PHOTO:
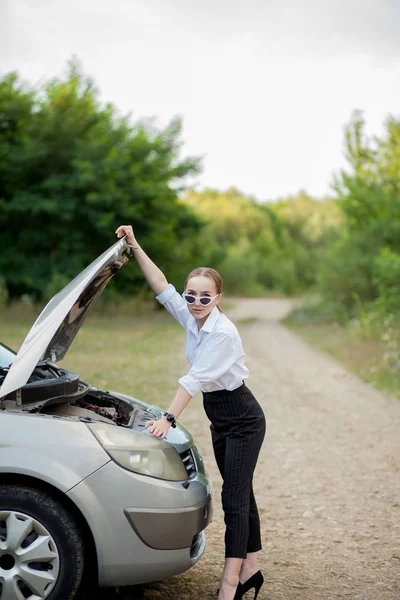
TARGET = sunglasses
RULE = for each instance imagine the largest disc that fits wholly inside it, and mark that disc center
(204, 300)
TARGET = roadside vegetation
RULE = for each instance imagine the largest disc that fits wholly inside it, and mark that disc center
(354, 310)
(72, 169)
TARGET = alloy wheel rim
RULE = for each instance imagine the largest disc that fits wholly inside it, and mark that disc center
(29, 558)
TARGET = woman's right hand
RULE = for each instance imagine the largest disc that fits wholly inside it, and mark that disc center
(128, 231)
(154, 277)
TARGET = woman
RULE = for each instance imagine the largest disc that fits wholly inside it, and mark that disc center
(215, 353)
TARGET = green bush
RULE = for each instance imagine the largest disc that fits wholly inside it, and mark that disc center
(239, 269)
(386, 277)
(317, 310)
(346, 272)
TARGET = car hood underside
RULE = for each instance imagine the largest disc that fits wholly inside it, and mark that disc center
(57, 325)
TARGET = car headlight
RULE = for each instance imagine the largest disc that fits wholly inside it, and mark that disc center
(140, 453)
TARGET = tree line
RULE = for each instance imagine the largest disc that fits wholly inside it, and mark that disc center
(72, 169)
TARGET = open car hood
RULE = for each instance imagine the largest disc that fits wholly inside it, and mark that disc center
(57, 325)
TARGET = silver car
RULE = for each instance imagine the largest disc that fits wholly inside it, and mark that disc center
(82, 483)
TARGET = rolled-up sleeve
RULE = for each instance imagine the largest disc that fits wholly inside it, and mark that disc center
(175, 304)
(216, 358)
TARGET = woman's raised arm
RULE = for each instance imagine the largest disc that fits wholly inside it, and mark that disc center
(153, 275)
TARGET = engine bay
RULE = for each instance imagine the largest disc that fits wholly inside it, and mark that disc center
(59, 392)
(99, 406)
(52, 390)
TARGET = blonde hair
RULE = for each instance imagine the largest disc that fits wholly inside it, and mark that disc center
(211, 274)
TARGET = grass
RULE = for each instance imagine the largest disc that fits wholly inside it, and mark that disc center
(363, 355)
(139, 355)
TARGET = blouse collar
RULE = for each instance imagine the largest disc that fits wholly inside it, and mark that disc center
(211, 320)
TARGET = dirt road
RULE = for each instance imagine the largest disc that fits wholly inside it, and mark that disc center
(327, 482)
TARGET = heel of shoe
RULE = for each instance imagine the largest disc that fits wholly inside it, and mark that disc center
(257, 589)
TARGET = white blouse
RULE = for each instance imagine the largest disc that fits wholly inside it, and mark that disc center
(215, 353)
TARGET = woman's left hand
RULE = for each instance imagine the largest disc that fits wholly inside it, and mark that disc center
(158, 428)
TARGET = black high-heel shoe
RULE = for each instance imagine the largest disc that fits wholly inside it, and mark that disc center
(255, 581)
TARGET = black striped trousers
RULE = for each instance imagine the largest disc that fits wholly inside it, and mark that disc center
(237, 429)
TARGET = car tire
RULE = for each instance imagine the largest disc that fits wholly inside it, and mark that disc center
(41, 549)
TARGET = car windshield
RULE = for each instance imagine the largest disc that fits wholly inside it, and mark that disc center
(6, 355)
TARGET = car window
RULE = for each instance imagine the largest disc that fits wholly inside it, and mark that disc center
(6, 355)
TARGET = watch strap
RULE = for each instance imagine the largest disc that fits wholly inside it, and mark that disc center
(170, 418)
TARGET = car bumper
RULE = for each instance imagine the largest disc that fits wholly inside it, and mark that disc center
(143, 528)
(170, 528)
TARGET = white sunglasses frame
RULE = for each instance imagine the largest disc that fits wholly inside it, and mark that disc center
(198, 298)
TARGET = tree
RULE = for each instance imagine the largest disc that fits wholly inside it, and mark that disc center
(269, 245)
(71, 170)
(368, 192)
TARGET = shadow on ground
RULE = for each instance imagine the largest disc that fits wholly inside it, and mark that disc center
(175, 588)
(136, 592)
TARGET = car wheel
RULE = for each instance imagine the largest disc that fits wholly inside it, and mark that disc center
(41, 549)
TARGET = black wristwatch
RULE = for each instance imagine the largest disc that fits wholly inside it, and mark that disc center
(170, 418)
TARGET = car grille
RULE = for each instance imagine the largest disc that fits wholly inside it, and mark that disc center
(189, 462)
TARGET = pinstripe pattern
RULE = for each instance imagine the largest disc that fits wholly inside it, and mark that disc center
(237, 429)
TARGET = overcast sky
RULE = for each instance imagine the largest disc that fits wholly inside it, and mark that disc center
(264, 86)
